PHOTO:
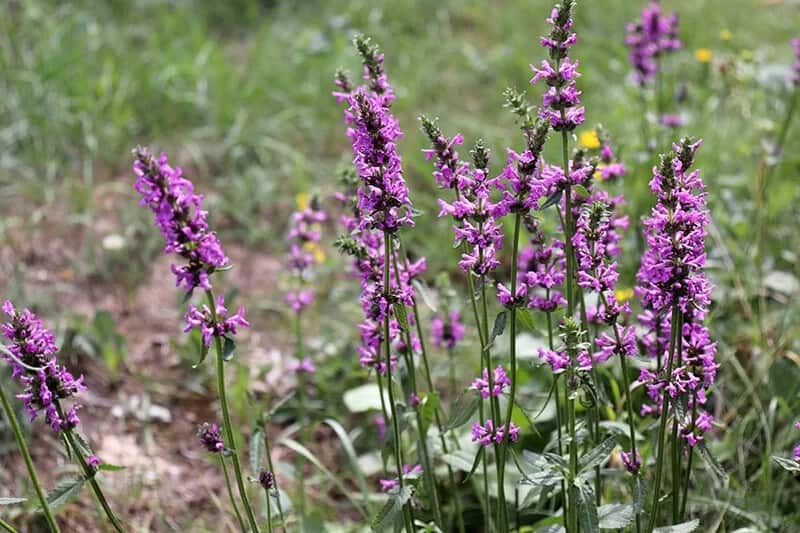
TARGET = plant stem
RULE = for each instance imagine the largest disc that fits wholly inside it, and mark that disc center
(11, 417)
(230, 492)
(7, 527)
(387, 254)
(301, 406)
(269, 511)
(689, 461)
(231, 437)
(512, 348)
(559, 416)
(677, 447)
(595, 427)
(674, 333)
(631, 430)
(278, 503)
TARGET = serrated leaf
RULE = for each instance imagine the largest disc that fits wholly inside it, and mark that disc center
(713, 465)
(615, 515)
(599, 454)
(583, 496)
(385, 517)
(12, 501)
(525, 318)
(228, 349)
(256, 451)
(65, 491)
(685, 527)
(536, 469)
(466, 405)
(107, 467)
(787, 464)
(85, 449)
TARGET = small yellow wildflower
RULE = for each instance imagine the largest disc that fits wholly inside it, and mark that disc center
(316, 250)
(746, 54)
(301, 199)
(703, 55)
(725, 34)
(589, 140)
(623, 295)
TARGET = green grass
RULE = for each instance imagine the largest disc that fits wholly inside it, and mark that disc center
(239, 93)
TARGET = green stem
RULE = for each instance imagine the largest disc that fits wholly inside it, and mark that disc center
(559, 415)
(512, 348)
(269, 511)
(11, 417)
(677, 448)
(226, 417)
(230, 493)
(596, 408)
(689, 461)
(268, 452)
(7, 527)
(301, 406)
(387, 254)
(674, 333)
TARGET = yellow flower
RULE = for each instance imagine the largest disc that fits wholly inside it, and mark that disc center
(703, 55)
(301, 199)
(725, 34)
(316, 250)
(747, 55)
(589, 140)
(623, 295)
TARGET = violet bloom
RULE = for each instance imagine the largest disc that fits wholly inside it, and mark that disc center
(673, 121)
(648, 39)
(94, 462)
(449, 331)
(380, 425)
(671, 277)
(210, 437)
(541, 270)
(611, 168)
(306, 366)
(796, 451)
(266, 479)
(487, 434)
(299, 300)
(181, 219)
(561, 102)
(501, 382)
(304, 252)
(224, 326)
(632, 463)
(45, 382)
(409, 472)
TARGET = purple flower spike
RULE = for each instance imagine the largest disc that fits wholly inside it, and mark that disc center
(306, 366)
(266, 479)
(487, 434)
(632, 464)
(501, 382)
(180, 217)
(649, 38)
(447, 333)
(224, 325)
(409, 472)
(210, 437)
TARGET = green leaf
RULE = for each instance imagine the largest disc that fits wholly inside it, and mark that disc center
(428, 298)
(203, 355)
(599, 454)
(107, 467)
(615, 515)
(525, 318)
(280, 403)
(498, 328)
(402, 316)
(228, 348)
(385, 517)
(427, 409)
(639, 494)
(363, 398)
(686, 527)
(83, 445)
(475, 463)
(466, 405)
(580, 189)
(583, 496)
(536, 469)
(460, 460)
(787, 464)
(11, 501)
(713, 465)
(65, 491)
(256, 451)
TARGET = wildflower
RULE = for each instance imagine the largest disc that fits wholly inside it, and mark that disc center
(210, 437)
(486, 434)
(500, 383)
(306, 366)
(725, 34)
(299, 300)
(409, 472)
(589, 140)
(703, 55)
(632, 462)
(673, 121)
(623, 294)
(94, 462)
(223, 326)
(33, 363)
(304, 250)
(266, 479)
(414, 400)
(380, 424)
(181, 219)
(608, 345)
(447, 332)
(649, 38)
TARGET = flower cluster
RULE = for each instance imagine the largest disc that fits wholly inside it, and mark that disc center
(210, 437)
(632, 462)
(304, 366)
(610, 167)
(541, 269)
(212, 326)
(487, 434)
(448, 331)
(648, 39)
(304, 252)
(671, 281)
(561, 102)
(409, 472)
(574, 351)
(33, 363)
(180, 217)
(266, 479)
(500, 382)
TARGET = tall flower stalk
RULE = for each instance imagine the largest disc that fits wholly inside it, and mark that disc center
(31, 354)
(183, 223)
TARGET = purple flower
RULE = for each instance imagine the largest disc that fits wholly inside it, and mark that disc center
(486, 434)
(306, 366)
(266, 479)
(608, 345)
(409, 472)
(222, 327)
(94, 462)
(673, 121)
(210, 437)
(648, 39)
(45, 382)
(413, 400)
(500, 382)
(447, 332)
(180, 217)
(632, 462)
(304, 252)
(299, 300)
(380, 424)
